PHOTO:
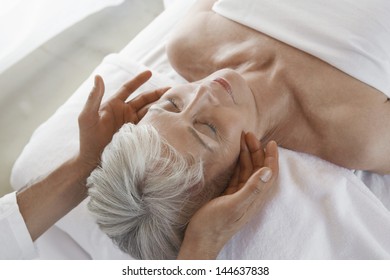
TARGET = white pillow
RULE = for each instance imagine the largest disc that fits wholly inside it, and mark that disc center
(56, 140)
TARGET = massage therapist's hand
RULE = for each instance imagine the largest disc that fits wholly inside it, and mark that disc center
(98, 123)
(46, 201)
(218, 220)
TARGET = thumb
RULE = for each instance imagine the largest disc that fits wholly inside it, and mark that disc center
(255, 189)
(265, 174)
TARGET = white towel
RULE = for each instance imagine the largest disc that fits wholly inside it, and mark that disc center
(351, 35)
(317, 211)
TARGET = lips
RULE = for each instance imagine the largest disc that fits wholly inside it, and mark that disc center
(226, 85)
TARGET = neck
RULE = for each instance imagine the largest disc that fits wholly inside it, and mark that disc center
(271, 99)
(279, 116)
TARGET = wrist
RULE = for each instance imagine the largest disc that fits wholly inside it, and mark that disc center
(80, 170)
(198, 248)
(86, 165)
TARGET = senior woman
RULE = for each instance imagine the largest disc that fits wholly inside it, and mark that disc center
(240, 80)
(27, 214)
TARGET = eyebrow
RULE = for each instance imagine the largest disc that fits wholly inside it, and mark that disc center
(200, 140)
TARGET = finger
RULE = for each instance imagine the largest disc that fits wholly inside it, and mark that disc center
(137, 108)
(95, 97)
(255, 150)
(130, 86)
(146, 98)
(245, 161)
(272, 156)
(141, 113)
(233, 183)
(235, 176)
(262, 180)
(254, 192)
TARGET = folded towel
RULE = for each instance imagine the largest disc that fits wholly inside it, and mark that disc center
(351, 35)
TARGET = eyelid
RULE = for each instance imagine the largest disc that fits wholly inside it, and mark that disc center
(173, 102)
(212, 127)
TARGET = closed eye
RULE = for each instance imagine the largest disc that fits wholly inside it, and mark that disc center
(212, 127)
(207, 128)
(173, 102)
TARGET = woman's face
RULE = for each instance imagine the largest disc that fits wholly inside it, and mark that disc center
(206, 118)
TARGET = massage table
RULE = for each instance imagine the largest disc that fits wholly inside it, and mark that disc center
(316, 211)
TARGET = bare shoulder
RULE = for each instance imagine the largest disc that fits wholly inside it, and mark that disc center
(193, 38)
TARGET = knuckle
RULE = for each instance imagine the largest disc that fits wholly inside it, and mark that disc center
(257, 190)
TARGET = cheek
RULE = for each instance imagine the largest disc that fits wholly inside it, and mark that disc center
(221, 170)
(233, 151)
(218, 167)
(230, 152)
(234, 126)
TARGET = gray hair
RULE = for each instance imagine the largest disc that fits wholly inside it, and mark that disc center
(145, 192)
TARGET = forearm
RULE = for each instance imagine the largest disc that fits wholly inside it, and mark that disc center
(45, 202)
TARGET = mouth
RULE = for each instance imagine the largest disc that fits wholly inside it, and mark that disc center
(226, 85)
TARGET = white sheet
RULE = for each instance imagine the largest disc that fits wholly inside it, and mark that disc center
(352, 35)
(317, 211)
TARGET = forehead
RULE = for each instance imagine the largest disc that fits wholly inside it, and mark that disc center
(182, 88)
(183, 137)
(175, 131)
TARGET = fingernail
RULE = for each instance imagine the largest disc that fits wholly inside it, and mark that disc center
(265, 174)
